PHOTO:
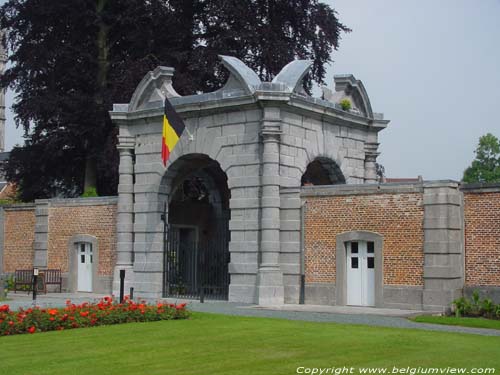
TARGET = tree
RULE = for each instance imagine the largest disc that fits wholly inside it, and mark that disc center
(71, 60)
(486, 166)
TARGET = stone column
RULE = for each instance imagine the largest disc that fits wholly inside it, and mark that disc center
(270, 276)
(41, 233)
(371, 155)
(125, 215)
(443, 245)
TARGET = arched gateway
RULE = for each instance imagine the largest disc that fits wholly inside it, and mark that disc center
(231, 191)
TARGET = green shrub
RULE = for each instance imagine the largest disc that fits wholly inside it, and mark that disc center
(345, 104)
(462, 307)
(90, 192)
(488, 308)
(476, 307)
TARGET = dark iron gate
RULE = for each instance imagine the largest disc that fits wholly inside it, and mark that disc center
(196, 268)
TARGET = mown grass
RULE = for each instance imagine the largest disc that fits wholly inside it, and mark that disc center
(218, 344)
(464, 322)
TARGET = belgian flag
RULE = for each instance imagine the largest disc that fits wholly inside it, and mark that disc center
(173, 126)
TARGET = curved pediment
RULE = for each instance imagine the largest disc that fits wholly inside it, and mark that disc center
(292, 75)
(354, 89)
(154, 87)
(242, 77)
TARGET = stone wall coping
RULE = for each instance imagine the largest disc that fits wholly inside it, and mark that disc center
(214, 102)
(89, 201)
(19, 207)
(362, 189)
(482, 187)
(441, 183)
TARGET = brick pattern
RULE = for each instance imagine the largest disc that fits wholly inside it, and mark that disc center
(397, 217)
(19, 236)
(98, 221)
(482, 239)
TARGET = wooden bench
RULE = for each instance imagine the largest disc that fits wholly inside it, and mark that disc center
(53, 277)
(23, 278)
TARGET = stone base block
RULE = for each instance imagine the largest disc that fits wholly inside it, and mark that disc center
(439, 300)
(242, 293)
(403, 297)
(270, 287)
(319, 294)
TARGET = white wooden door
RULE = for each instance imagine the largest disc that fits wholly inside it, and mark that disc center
(360, 273)
(85, 260)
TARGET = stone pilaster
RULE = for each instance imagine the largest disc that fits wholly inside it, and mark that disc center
(270, 276)
(41, 233)
(443, 244)
(371, 155)
(125, 214)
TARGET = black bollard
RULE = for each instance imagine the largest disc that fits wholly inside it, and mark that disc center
(122, 284)
(131, 293)
(34, 287)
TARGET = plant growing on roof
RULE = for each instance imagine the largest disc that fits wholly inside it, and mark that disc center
(345, 104)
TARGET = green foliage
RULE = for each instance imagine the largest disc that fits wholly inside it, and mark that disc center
(475, 307)
(486, 166)
(345, 104)
(71, 60)
(488, 308)
(90, 192)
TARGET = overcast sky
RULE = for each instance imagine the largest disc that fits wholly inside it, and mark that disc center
(432, 67)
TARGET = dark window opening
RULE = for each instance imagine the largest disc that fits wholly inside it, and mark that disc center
(354, 262)
(354, 247)
(371, 262)
(371, 247)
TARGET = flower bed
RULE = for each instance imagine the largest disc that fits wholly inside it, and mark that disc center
(105, 312)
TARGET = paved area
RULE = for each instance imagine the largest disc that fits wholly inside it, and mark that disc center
(333, 314)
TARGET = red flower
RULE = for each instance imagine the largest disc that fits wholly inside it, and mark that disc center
(52, 318)
(32, 329)
(52, 312)
(4, 308)
(11, 323)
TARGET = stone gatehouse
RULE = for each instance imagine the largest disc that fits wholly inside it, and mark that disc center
(269, 197)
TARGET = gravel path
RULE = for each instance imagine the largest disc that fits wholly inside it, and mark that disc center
(285, 312)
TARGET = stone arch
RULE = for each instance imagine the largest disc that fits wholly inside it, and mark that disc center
(196, 195)
(322, 171)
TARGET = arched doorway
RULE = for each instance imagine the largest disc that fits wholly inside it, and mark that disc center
(197, 248)
(322, 171)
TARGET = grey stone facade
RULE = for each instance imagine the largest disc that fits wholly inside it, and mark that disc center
(263, 135)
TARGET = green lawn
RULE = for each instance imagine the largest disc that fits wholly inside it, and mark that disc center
(465, 322)
(217, 344)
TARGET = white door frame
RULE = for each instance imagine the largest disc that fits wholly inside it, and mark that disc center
(85, 265)
(360, 273)
(341, 261)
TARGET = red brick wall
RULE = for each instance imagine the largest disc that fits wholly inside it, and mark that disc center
(482, 239)
(67, 221)
(19, 237)
(397, 217)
